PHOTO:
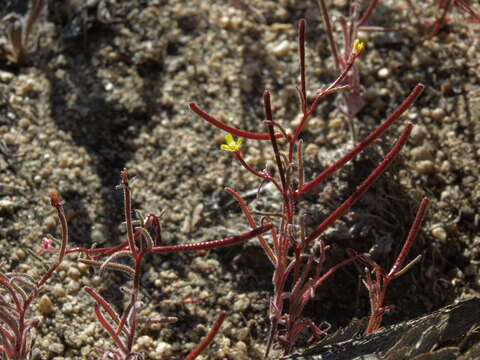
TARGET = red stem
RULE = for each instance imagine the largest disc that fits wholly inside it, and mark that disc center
(367, 12)
(328, 30)
(301, 53)
(252, 224)
(410, 238)
(207, 339)
(232, 240)
(276, 152)
(229, 129)
(364, 186)
(128, 211)
(357, 149)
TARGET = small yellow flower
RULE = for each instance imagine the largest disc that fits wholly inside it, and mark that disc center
(231, 145)
(358, 47)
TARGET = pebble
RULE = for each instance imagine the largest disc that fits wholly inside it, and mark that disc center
(56, 348)
(144, 341)
(98, 236)
(24, 123)
(6, 76)
(335, 123)
(383, 73)
(7, 206)
(206, 265)
(74, 273)
(440, 234)
(73, 287)
(242, 303)
(421, 153)
(438, 114)
(425, 167)
(163, 349)
(311, 150)
(21, 254)
(281, 49)
(58, 290)
(418, 134)
(45, 305)
(242, 333)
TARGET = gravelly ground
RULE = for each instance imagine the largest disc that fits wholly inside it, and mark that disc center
(107, 88)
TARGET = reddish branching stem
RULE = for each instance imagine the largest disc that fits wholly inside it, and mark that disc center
(208, 339)
(22, 290)
(396, 114)
(245, 134)
(301, 53)
(377, 288)
(364, 186)
(139, 243)
(215, 244)
(410, 238)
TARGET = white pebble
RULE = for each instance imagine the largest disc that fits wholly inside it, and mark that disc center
(383, 73)
(439, 233)
(281, 49)
(242, 303)
(163, 350)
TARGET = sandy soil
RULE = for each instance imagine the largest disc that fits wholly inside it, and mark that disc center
(107, 88)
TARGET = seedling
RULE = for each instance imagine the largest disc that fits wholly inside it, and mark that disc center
(19, 30)
(17, 293)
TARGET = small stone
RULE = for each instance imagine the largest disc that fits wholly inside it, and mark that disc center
(242, 333)
(7, 206)
(383, 73)
(281, 49)
(242, 303)
(438, 114)
(144, 341)
(24, 123)
(446, 88)
(311, 150)
(56, 348)
(206, 265)
(73, 287)
(425, 167)
(335, 123)
(418, 134)
(421, 153)
(440, 234)
(45, 305)
(163, 350)
(97, 236)
(10, 139)
(58, 290)
(74, 273)
(384, 92)
(21, 254)
(50, 223)
(6, 76)
(26, 87)
(296, 122)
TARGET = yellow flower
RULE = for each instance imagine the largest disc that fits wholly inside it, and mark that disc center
(358, 47)
(231, 145)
